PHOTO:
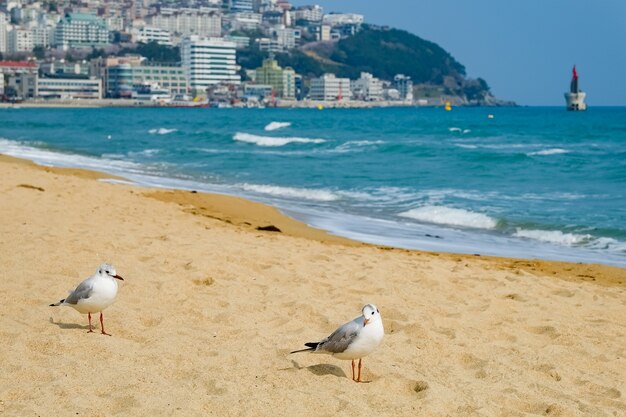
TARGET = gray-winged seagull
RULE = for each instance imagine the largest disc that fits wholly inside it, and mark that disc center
(94, 294)
(354, 340)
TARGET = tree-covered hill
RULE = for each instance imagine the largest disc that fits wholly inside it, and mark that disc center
(384, 52)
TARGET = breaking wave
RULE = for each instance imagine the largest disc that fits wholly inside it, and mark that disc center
(277, 125)
(271, 141)
(161, 131)
(451, 216)
(290, 192)
(553, 151)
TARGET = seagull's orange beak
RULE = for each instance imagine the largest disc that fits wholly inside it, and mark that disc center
(365, 321)
(118, 277)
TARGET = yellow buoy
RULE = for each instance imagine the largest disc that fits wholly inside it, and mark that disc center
(320, 107)
(448, 106)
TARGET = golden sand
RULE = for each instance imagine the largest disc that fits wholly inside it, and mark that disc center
(211, 306)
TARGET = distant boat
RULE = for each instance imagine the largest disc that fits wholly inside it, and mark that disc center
(575, 99)
(183, 100)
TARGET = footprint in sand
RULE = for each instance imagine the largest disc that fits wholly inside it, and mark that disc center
(421, 388)
(549, 331)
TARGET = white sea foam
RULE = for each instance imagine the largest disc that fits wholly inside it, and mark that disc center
(161, 131)
(553, 236)
(466, 131)
(290, 192)
(451, 216)
(466, 146)
(145, 152)
(454, 129)
(277, 125)
(271, 141)
(552, 151)
(54, 158)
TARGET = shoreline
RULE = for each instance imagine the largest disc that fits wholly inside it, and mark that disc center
(210, 308)
(256, 216)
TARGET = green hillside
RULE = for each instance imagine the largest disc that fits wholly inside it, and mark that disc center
(384, 52)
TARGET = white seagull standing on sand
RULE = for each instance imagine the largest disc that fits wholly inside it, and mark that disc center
(94, 294)
(353, 340)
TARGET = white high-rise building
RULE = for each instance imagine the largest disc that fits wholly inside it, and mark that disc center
(42, 35)
(3, 32)
(20, 40)
(209, 61)
(77, 30)
(329, 88)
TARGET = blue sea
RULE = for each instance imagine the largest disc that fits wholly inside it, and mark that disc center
(520, 182)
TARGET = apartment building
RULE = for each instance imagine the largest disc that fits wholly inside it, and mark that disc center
(19, 40)
(186, 22)
(209, 61)
(77, 30)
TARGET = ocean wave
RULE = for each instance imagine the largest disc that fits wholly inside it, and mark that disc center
(277, 125)
(451, 216)
(291, 192)
(63, 159)
(458, 129)
(552, 151)
(554, 236)
(344, 147)
(272, 141)
(145, 152)
(161, 131)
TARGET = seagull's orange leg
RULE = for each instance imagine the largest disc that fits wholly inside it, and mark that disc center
(359, 378)
(90, 329)
(353, 369)
(102, 325)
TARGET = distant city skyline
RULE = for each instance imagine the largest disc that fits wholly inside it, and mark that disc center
(524, 50)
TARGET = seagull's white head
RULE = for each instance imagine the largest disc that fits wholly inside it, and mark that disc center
(370, 314)
(108, 270)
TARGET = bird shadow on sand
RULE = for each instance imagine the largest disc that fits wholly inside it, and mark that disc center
(322, 369)
(68, 325)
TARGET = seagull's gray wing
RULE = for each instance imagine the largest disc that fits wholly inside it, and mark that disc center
(341, 338)
(81, 292)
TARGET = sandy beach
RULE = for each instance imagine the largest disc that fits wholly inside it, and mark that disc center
(212, 305)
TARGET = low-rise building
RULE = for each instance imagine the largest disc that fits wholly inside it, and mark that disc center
(69, 88)
(309, 14)
(404, 85)
(282, 80)
(149, 34)
(286, 38)
(329, 88)
(245, 21)
(367, 88)
(121, 77)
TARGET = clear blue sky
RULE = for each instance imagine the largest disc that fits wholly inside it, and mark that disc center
(524, 49)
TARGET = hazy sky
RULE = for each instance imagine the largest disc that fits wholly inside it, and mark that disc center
(524, 49)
